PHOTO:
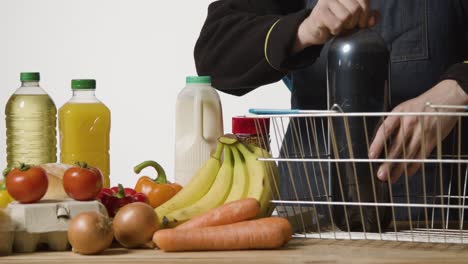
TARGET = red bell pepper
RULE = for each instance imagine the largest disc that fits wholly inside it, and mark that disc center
(117, 197)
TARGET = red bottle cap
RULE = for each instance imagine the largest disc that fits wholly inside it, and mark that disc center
(248, 126)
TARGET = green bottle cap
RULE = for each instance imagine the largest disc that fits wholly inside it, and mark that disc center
(30, 77)
(83, 84)
(198, 79)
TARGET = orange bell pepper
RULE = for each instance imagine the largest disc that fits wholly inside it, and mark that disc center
(157, 190)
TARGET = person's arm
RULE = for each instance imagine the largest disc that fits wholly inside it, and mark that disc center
(245, 44)
(407, 131)
(248, 43)
(459, 71)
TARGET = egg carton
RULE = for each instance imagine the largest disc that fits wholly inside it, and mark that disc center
(6, 233)
(43, 223)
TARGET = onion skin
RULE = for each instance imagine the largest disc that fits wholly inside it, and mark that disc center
(135, 224)
(90, 233)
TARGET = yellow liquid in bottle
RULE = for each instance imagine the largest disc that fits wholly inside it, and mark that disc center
(31, 129)
(84, 135)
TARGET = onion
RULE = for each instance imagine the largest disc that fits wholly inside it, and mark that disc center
(90, 233)
(135, 224)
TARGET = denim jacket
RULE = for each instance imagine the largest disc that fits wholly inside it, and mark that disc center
(424, 38)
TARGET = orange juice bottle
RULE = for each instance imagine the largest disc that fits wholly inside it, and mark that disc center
(84, 124)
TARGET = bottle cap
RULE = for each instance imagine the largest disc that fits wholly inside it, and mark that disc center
(198, 79)
(83, 84)
(250, 126)
(30, 77)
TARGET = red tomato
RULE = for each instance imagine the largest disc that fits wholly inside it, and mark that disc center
(82, 183)
(27, 184)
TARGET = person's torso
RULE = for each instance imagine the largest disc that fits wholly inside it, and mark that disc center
(425, 37)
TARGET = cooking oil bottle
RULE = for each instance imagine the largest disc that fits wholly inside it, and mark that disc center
(84, 124)
(30, 124)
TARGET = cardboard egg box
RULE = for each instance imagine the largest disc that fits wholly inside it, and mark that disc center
(45, 223)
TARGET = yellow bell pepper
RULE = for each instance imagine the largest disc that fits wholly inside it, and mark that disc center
(5, 197)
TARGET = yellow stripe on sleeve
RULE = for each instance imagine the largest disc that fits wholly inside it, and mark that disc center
(266, 43)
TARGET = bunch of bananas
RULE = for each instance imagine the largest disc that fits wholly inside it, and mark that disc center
(240, 175)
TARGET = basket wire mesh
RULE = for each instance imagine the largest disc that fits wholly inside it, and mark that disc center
(329, 191)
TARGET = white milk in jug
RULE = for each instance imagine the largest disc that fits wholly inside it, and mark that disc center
(199, 123)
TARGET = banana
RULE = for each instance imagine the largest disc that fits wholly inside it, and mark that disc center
(215, 196)
(273, 176)
(259, 179)
(198, 186)
(271, 166)
(256, 171)
(240, 181)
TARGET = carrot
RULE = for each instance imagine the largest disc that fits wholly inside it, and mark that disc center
(265, 233)
(287, 230)
(229, 213)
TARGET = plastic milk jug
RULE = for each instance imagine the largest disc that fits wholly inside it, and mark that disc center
(199, 123)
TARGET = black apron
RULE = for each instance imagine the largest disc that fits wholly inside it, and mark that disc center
(425, 38)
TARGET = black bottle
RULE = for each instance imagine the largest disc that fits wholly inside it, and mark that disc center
(358, 81)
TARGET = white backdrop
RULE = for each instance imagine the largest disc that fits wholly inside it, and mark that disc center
(138, 50)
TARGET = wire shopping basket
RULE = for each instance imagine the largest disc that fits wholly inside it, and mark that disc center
(329, 188)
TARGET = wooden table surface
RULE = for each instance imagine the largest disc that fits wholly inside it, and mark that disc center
(298, 251)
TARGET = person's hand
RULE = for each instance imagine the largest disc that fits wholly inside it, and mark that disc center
(329, 18)
(407, 131)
